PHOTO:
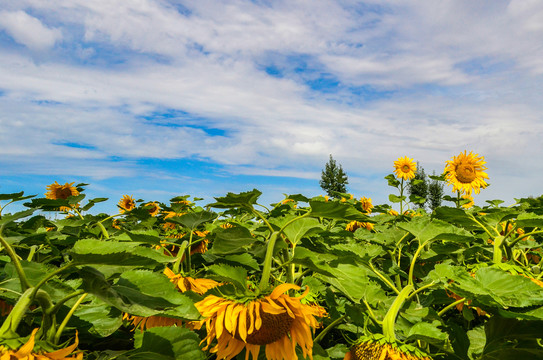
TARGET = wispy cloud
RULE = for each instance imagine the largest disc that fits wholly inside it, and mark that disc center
(270, 89)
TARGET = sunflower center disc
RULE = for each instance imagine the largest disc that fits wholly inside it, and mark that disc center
(274, 327)
(63, 193)
(406, 168)
(465, 173)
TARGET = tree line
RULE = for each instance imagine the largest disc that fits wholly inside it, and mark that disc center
(428, 188)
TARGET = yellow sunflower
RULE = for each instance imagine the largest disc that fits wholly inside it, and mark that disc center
(367, 205)
(353, 225)
(405, 168)
(25, 351)
(56, 191)
(277, 321)
(470, 203)
(127, 203)
(374, 348)
(199, 286)
(153, 208)
(465, 173)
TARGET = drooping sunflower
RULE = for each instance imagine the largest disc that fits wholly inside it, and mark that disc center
(153, 208)
(470, 203)
(405, 168)
(465, 173)
(126, 203)
(376, 347)
(199, 286)
(367, 205)
(277, 321)
(25, 352)
(353, 225)
(56, 191)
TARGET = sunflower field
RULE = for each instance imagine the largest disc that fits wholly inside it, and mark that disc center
(305, 278)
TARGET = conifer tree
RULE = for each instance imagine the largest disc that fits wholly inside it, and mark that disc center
(435, 193)
(333, 178)
(418, 186)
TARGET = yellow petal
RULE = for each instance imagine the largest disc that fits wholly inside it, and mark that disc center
(26, 349)
(282, 289)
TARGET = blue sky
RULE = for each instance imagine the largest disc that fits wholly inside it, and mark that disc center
(159, 98)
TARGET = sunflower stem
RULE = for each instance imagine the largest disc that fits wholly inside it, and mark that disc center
(450, 306)
(10, 324)
(15, 260)
(67, 318)
(264, 281)
(414, 260)
(392, 313)
(330, 326)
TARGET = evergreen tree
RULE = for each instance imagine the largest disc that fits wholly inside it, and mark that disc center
(418, 186)
(333, 178)
(435, 193)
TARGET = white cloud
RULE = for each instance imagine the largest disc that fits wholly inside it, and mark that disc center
(455, 74)
(28, 30)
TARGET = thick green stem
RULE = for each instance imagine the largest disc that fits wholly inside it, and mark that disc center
(390, 317)
(67, 318)
(498, 253)
(16, 263)
(103, 229)
(382, 277)
(414, 260)
(61, 302)
(325, 331)
(264, 281)
(9, 326)
(450, 306)
(180, 253)
(49, 321)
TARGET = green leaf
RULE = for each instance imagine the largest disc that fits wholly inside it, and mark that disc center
(395, 198)
(392, 181)
(427, 332)
(529, 220)
(230, 274)
(231, 200)
(336, 210)
(300, 228)
(193, 219)
(12, 196)
(104, 320)
(91, 251)
(455, 216)
(492, 287)
(231, 240)
(425, 229)
(166, 343)
(18, 215)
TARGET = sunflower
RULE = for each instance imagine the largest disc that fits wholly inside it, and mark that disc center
(25, 351)
(405, 168)
(393, 212)
(367, 205)
(377, 348)
(465, 173)
(353, 225)
(470, 203)
(276, 321)
(199, 286)
(153, 208)
(127, 203)
(57, 191)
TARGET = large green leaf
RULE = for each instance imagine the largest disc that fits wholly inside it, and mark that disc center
(140, 292)
(193, 219)
(425, 228)
(300, 228)
(336, 210)
(231, 200)
(103, 319)
(529, 220)
(455, 216)
(492, 287)
(91, 251)
(231, 274)
(231, 240)
(168, 343)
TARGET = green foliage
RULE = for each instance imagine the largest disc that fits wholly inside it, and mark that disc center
(333, 178)
(435, 192)
(418, 187)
